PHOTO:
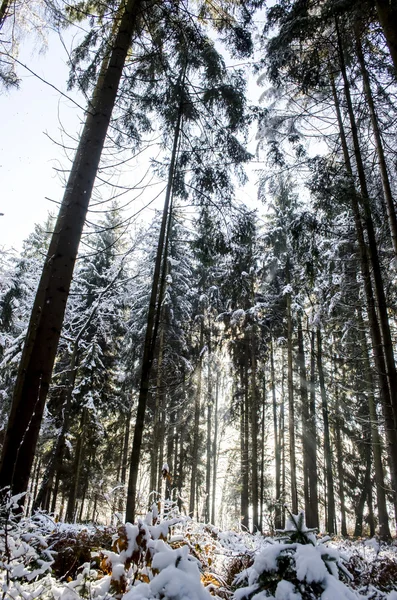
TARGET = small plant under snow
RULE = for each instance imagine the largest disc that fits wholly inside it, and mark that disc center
(297, 566)
(175, 558)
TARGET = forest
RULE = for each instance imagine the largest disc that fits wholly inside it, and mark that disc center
(198, 375)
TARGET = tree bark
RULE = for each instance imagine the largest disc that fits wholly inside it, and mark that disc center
(387, 13)
(390, 206)
(78, 461)
(196, 429)
(4, 8)
(372, 244)
(312, 434)
(152, 322)
(330, 516)
(254, 434)
(291, 406)
(277, 442)
(215, 450)
(376, 337)
(383, 517)
(210, 402)
(305, 421)
(339, 455)
(49, 306)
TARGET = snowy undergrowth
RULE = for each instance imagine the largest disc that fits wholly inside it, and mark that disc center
(298, 566)
(175, 558)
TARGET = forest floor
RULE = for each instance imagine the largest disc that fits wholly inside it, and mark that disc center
(179, 559)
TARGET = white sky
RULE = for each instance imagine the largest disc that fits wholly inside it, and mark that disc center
(27, 155)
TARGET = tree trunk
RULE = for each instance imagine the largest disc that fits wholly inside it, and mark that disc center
(78, 461)
(291, 407)
(281, 428)
(312, 434)
(157, 439)
(383, 517)
(153, 321)
(376, 337)
(262, 483)
(243, 393)
(254, 434)
(359, 506)
(339, 460)
(4, 8)
(387, 13)
(210, 402)
(372, 244)
(330, 516)
(390, 207)
(305, 422)
(47, 316)
(215, 450)
(196, 428)
(277, 443)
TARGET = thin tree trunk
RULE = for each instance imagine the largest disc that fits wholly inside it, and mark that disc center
(196, 429)
(277, 443)
(157, 441)
(372, 244)
(291, 406)
(391, 212)
(33, 484)
(281, 429)
(312, 434)
(124, 461)
(262, 483)
(305, 422)
(244, 444)
(210, 402)
(383, 517)
(215, 450)
(254, 434)
(152, 322)
(359, 506)
(56, 489)
(47, 315)
(376, 338)
(78, 461)
(330, 516)
(339, 459)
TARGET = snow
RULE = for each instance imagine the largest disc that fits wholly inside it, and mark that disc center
(188, 563)
(178, 577)
(286, 591)
(267, 560)
(309, 564)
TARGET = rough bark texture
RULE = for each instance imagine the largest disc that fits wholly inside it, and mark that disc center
(390, 207)
(291, 407)
(277, 443)
(330, 512)
(312, 434)
(49, 307)
(376, 337)
(387, 13)
(305, 422)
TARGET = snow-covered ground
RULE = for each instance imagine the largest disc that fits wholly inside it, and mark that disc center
(179, 559)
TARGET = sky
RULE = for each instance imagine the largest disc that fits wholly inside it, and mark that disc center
(38, 119)
(28, 157)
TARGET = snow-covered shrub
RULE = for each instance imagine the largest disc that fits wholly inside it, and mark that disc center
(295, 566)
(25, 556)
(373, 565)
(142, 564)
